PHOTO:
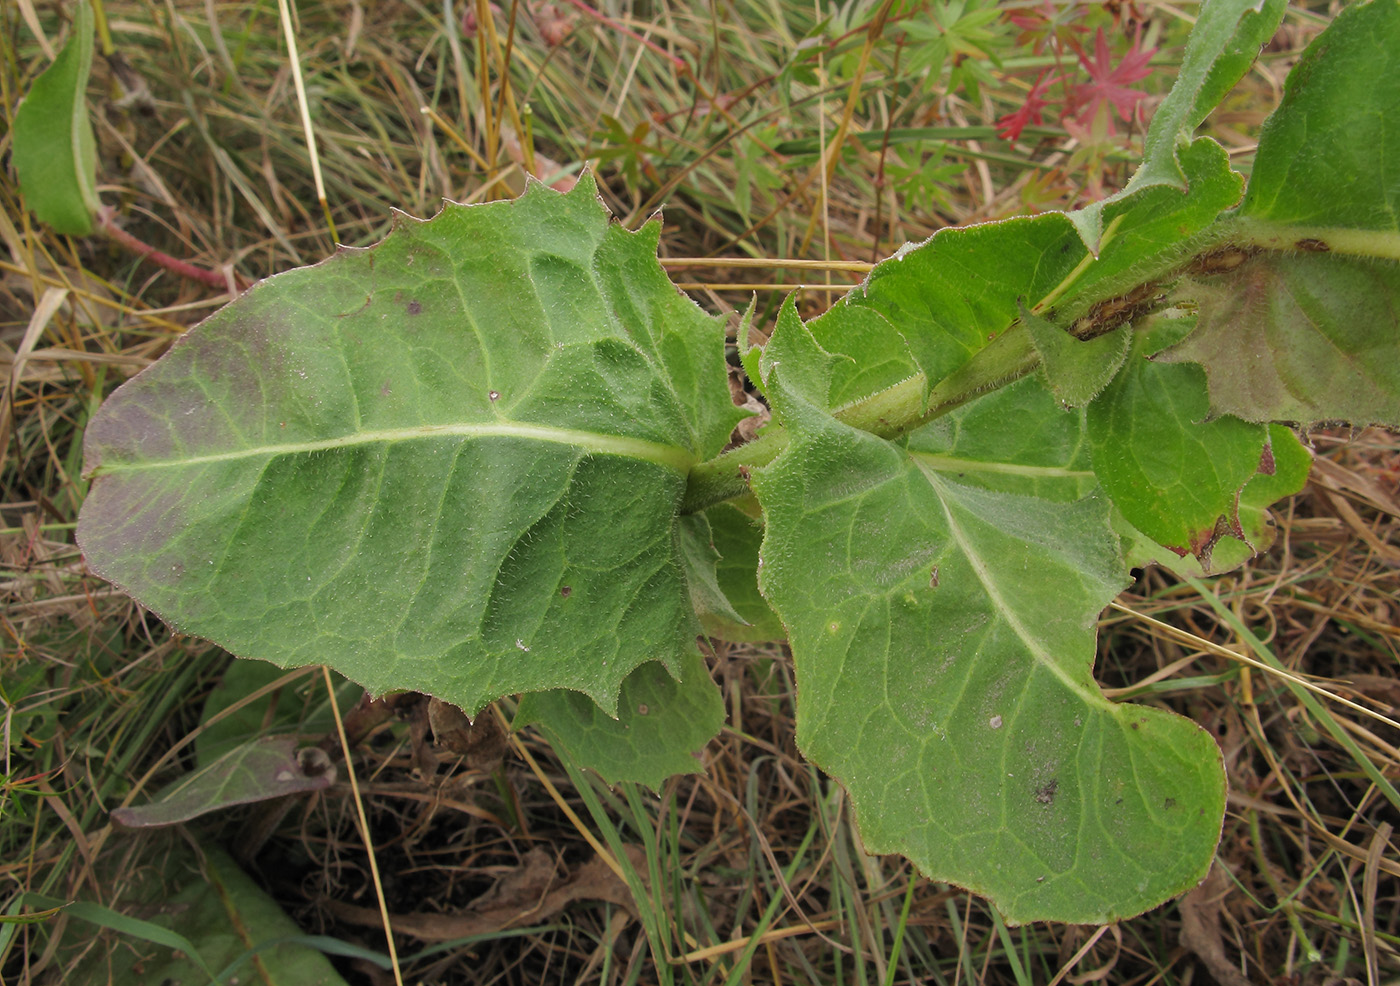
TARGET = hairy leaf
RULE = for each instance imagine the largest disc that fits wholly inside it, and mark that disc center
(1305, 338)
(1018, 439)
(1175, 472)
(947, 297)
(1329, 156)
(53, 148)
(701, 559)
(1308, 330)
(451, 463)
(942, 308)
(1284, 467)
(1224, 43)
(1076, 370)
(661, 726)
(737, 536)
(943, 635)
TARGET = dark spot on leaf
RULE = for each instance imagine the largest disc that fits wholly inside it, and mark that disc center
(1220, 261)
(566, 591)
(1266, 460)
(1169, 803)
(1313, 245)
(933, 578)
(642, 709)
(414, 307)
(1045, 794)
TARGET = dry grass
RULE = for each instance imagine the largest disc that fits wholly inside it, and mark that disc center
(753, 871)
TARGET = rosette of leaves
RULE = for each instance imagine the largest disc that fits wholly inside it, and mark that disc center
(484, 457)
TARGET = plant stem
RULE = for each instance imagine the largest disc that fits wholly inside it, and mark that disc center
(213, 279)
(900, 409)
(892, 412)
(1368, 243)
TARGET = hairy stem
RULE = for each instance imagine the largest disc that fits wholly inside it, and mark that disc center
(1369, 243)
(892, 412)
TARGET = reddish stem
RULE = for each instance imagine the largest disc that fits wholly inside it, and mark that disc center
(212, 278)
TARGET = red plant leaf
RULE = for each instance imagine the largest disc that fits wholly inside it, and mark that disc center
(1009, 127)
(1109, 85)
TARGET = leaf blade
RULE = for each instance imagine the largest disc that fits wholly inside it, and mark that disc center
(948, 687)
(450, 463)
(54, 151)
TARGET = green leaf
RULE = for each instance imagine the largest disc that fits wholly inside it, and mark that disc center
(1284, 467)
(1076, 370)
(943, 308)
(1224, 42)
(1018, 439)
(877, 356)
(661, 726)
(259, 770)
(701, 559)
(943, 635)
(1329, 156)
(451, 463)
(1306, 338)
(212, 918)
(54, 152)
(301, 708)
(1145, 228)
(951, 295)
(1175, 472)
(737, 537)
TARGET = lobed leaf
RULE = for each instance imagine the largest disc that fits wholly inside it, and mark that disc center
(1306, 338)
(943, 635)
(1175, 473)
(450, 463)
(661, 726)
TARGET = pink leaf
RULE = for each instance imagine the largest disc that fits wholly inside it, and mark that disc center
(1109, 85)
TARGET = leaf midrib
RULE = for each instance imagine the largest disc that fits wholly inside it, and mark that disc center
(952, 464)
(1034, 645)
(670, 456)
